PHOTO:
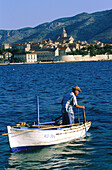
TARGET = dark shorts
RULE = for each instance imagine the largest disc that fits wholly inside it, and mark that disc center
(67, 118)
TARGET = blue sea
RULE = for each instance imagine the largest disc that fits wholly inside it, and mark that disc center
(19, 86)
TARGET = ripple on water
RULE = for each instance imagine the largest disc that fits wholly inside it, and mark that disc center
(18, 91)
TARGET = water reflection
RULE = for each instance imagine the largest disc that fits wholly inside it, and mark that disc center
(57, 156)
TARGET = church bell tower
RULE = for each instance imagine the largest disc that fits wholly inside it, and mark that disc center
(64, 34)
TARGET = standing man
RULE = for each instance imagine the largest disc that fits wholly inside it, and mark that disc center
(68, 102)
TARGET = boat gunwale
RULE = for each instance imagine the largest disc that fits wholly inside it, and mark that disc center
(63, 127)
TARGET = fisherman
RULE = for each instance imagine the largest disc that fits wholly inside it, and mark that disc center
(68, 103)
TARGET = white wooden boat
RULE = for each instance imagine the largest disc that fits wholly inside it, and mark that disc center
(23, 136)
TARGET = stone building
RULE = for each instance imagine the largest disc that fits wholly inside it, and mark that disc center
(23, 46)
(64, 38)
(48, 54)
(6, 46)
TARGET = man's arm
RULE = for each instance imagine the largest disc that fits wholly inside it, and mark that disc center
(80, 107)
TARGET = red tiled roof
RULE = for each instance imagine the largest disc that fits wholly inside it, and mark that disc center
(62, 48)
(42, 51)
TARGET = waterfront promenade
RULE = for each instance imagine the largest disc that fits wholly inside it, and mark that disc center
(70, 58)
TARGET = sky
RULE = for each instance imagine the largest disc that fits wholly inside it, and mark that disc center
(17, 14)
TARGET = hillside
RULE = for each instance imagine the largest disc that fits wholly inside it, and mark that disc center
(84, 26)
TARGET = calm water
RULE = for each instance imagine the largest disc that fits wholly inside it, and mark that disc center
(19, 86)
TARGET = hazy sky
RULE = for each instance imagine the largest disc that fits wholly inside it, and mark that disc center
(16, 14)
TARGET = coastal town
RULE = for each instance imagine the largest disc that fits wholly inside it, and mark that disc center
(64, 49)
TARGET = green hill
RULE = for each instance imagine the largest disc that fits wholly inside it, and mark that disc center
(84, 26)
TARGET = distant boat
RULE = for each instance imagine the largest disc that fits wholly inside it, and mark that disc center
(23, 136)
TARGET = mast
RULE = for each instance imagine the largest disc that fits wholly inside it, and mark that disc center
(37, 110)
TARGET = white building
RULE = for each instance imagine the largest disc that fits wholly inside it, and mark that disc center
(1, 56)
(6, 46)
(28, 58)
(63, 50)
(7, 55)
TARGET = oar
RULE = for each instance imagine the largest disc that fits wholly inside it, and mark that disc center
(57, 118)
(49, 127)
(84, 116)
(84, 121)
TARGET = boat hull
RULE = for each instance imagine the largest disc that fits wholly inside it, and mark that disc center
(28, 138)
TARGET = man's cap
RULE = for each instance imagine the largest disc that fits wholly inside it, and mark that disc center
(76, 88)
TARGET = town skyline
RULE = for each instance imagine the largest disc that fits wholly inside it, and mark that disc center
(62, 49)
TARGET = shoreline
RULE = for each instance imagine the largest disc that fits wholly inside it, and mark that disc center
(51, 62)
